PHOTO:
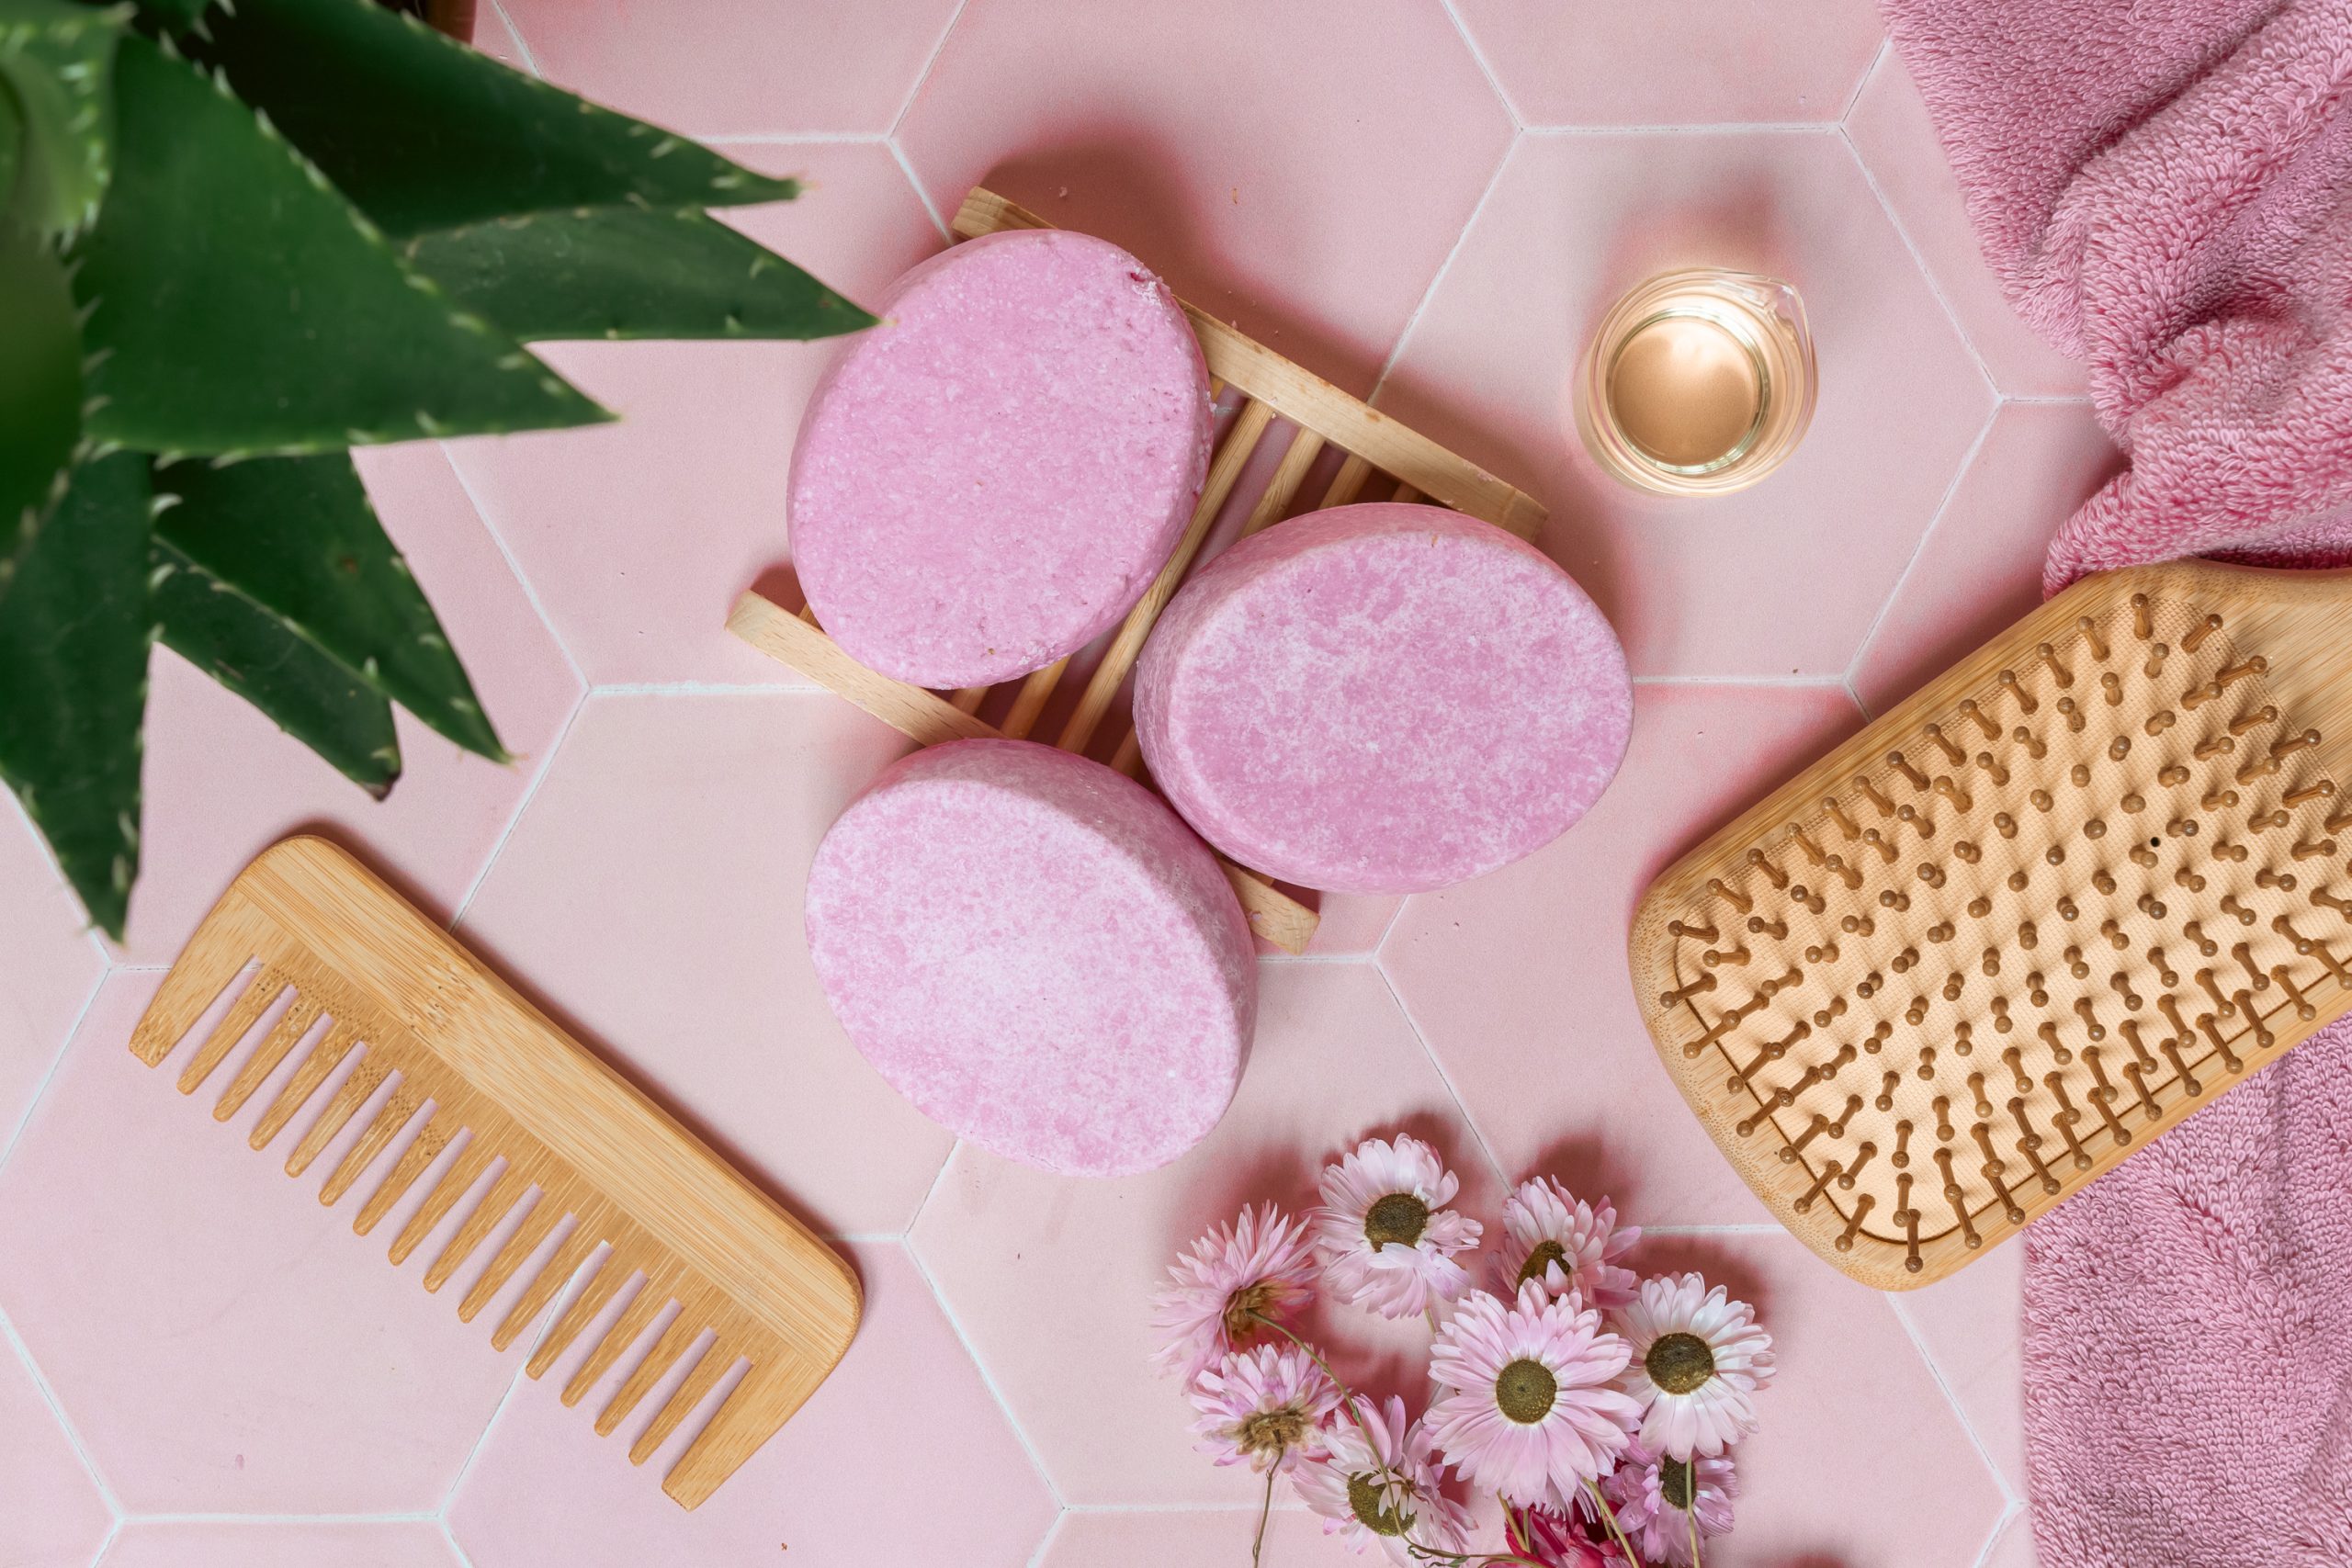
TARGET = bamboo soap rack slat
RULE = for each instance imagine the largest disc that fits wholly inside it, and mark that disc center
(2087, 879)
(1271, 387)
(458, 1047)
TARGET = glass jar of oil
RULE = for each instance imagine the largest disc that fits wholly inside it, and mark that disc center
(1698, 382)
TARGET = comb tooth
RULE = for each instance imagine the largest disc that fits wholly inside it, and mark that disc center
(365, 1080)
(676, 1340)
(324, 1057)
(406, 1097)
(2221, 1046)
(243, 1014)
(614, 1271)
(2138, 1076)
(1861, 1158)
(276, 1046)
(504, 1194)
(213, 960)
(422, 1150)
(2171, 1048)
(1863, 1206)
(570, 1254)
(1958, 1199)
(1820, 1184)
(635, 1319)
(454, 1183)
(2303, 1008)
(536, 1226)
(2030, 1145)
(716, 1360)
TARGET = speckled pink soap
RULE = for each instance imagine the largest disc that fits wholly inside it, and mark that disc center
(991, 477)
(1035, 953)
(1382, 699)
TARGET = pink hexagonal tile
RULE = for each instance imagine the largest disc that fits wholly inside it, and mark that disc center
(738, 67)
(493, 37)
(1210, 1538)
(1858, 1458)
(223, 782)
(231, 1346)
(1980, 567)
(639, 535)
(1300, 169)
(48, 965)
(2013, 1548)
(1682, 62)
(900, 1456)
(1889, 125)
(1781, 579)
(1348, 925)
(63, 1529)
(651, 892)
(1518, 980)
(1974, 1329)
(289, 1543)
(1051, 1278)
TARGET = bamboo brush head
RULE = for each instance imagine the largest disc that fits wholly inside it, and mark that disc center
(475, 1066)
(2084, 882)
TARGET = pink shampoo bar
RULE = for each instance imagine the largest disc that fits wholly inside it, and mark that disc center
(1382, 699)
(989, 478)
(1034, 951)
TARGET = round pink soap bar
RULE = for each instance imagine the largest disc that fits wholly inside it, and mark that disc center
(1382, 699)
(1035, 952)
(991, 477)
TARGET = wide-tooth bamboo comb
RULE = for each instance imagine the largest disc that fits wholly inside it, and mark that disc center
(371, 975)
(2084, 882)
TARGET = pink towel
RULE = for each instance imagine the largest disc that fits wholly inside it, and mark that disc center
(2165, 188)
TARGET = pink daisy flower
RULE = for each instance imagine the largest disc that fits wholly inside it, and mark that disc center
(1558, 1542)
(1697, 1358)
(1264, 1405)
(1657, 1499)
(1260, 1265)
(1565, 1243)
(1379, 1483)
(1386, 1239)
(1534, 1410)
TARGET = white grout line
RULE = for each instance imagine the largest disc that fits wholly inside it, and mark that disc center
(40, 1090)
(513, 567)
(1046, 1543)
(1479, 56)
(65, 1424)
(481, 1441)
(1919, 1343)
(1726, 128)
(1478, 1133)
(401, 1519)
(938, 47)
(1380, 942)
(1935, 519)
(938, 1178)
(2000, 1527)
(1862, 82)
(907, 168)
(988, 1379)
(696, 689)
(1918, 260)
(521, 44)
(1405, 334)
(105, 1545)
(530, 793)
(456, 1551)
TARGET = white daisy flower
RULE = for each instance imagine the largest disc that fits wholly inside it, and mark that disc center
(1386, 1239)
(1558, 1241)
(1378, 1482)
(1697, 1359)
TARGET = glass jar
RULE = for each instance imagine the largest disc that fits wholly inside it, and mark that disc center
(1698, 382)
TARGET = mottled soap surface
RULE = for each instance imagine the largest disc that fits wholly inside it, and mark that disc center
(1034, 951)
(989, 478)
(1382, 699)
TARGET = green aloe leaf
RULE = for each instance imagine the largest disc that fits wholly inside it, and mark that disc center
(172, 14)
(422, 132)
(55, 66)
(283, 673)
(298, 537)
(246, 307)
(75, 628)
(40, 385)
(628, 272)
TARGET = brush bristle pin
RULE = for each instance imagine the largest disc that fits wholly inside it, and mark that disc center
(2016, 849)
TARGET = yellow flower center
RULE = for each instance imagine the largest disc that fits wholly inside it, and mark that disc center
(1272, 1432)
(1679, 1362)
(1242, 1308)
(1367, 1497)
(1400, 1217)
(1674, 1482)
(1524, 1391)
(1539, 1262)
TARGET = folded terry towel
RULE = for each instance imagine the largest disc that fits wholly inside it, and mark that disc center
(2164, 190)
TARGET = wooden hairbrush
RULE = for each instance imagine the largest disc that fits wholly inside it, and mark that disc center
(370, 975)
(2081, 884)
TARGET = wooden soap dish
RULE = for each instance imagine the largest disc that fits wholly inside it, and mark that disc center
(2084, 882)
(1376, 452)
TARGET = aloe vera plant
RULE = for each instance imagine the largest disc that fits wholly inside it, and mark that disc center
(236, 240)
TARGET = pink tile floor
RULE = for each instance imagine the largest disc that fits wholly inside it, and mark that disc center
(1427, 200)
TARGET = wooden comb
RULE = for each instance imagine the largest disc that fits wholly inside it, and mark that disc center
(1282, 404)
(368, 975)
(2082, 883)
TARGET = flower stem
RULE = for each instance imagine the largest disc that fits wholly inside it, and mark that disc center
(1265, 1512)
(1691, 1515)
(1609, 1516)
(1347, 1396)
